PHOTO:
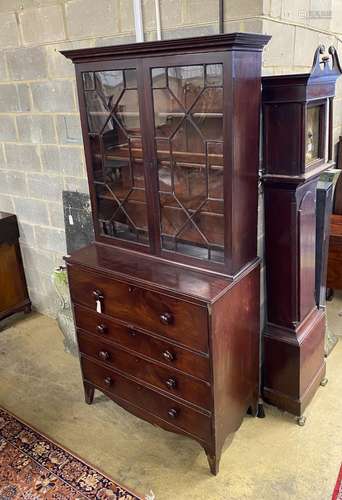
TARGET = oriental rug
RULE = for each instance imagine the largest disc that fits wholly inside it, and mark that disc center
(32, 467)
(337, 494)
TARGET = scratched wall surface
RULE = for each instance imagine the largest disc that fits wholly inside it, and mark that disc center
(41, 151)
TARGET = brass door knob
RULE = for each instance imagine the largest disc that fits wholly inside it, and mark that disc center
(108, 381)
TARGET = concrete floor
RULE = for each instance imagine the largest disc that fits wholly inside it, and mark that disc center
(271, 458)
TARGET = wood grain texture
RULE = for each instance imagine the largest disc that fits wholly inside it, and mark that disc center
(174, 383)
(137, 306)
(235, 357)
(143, 342)
(195, 422)
(294, 363)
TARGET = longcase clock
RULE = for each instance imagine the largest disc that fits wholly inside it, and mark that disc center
(297, 132)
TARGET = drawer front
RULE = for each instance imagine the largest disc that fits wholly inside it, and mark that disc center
(159, 350)
(175, 383)
(173, 412)
(170, 317)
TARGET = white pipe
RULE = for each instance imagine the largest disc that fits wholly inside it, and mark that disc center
(158, 23)
(138, 21)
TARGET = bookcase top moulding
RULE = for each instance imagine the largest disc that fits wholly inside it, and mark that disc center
(228, 41)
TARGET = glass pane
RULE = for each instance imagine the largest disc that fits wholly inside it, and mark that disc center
(312, 133)
(159, 78)
(168, 113)
(109, 85)
(97, 112)
(186, 82)
(214, 75)
(207, 113)
(215, 167)
(131, 78)
(127, 112)
(117, 154)
(88, 81)
(189, 149)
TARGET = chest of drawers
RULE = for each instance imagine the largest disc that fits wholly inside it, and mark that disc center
(181, 356)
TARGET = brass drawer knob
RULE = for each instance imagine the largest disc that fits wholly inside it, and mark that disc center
(171, 383)
(108, 381)
(166, 318)
(104, 355)
(102, 329)
(168, 356)
(173, 413)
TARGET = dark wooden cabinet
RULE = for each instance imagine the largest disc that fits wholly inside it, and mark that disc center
(166, 300)
(297, 117)
(13, 290)
(334, 278)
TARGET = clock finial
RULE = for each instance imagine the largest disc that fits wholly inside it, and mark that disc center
(321, 66)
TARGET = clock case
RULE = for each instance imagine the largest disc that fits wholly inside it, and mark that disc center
(294, 363)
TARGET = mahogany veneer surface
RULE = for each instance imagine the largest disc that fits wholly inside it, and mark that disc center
(186, 374)
(199, 285)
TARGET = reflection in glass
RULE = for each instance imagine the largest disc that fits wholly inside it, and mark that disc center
(116, 148)
(185, 83)
(214, 75)
(159, 78)
(188, 119)
(312, 133)
(168, 113)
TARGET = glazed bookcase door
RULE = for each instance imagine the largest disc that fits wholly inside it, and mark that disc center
(188, 132)
(112, 112)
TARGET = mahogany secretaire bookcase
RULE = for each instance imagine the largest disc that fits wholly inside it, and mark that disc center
(166, 300)
(298, 118)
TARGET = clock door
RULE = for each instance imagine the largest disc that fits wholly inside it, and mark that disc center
(187, 109)
(112, 111)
